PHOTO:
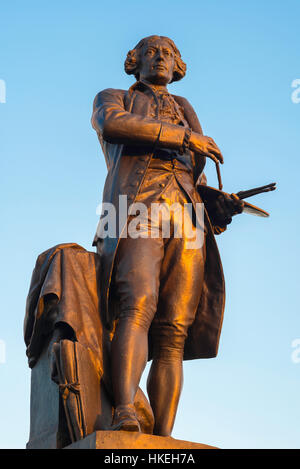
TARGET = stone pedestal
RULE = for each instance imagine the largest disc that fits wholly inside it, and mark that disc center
(132, 440)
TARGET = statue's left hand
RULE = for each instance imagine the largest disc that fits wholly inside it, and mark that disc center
(224, 208)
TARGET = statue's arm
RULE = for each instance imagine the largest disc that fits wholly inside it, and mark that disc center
(116, 125)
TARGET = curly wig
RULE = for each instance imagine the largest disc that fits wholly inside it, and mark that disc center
(133, 58)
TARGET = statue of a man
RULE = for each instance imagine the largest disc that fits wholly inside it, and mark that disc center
(162, 300)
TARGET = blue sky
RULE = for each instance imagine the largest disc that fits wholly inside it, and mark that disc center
(242, 58)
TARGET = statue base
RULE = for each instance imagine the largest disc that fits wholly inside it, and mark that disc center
(132, 440)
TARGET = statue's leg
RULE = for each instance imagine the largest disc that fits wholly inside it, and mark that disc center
(181, 281)
(164, 386)
(136, 285)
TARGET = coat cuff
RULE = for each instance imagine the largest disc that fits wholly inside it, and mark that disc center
(171, 136)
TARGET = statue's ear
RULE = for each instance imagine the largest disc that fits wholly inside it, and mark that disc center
(131, 63)
(179, 69)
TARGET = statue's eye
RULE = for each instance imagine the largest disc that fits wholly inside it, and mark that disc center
(150, 52)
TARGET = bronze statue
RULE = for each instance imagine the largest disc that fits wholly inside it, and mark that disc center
(94, 319)
(168, 301)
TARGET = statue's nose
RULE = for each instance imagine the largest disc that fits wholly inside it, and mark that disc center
(159, 55)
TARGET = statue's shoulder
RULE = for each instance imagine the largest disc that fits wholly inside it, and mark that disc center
(183, 102)
(109, 94)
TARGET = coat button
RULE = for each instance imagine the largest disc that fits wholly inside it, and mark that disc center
(161, 184)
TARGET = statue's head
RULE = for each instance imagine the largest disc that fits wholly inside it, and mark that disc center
(156, 60)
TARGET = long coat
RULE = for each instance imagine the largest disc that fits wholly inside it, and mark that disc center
(129, 131)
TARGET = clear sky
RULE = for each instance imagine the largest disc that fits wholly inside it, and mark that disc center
(242, 58)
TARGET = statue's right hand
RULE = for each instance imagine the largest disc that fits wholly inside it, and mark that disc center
(206, 146)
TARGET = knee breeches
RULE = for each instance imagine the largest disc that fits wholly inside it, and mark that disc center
(157, 283)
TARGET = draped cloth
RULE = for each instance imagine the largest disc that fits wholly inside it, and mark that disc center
(65, 288)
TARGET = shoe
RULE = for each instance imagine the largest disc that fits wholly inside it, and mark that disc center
(125, 419)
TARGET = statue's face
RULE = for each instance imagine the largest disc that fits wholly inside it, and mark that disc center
(157, 62)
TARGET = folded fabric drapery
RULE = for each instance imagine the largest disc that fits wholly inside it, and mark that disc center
(65, 288)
